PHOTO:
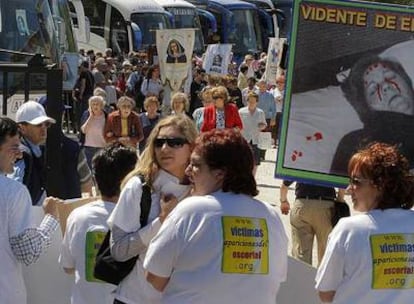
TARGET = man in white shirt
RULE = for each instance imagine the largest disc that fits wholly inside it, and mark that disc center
(19, 241)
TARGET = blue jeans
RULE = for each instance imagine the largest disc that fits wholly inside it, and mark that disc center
(89, 153)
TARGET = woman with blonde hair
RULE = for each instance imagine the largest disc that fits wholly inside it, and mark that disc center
(223, 114)
(162, 167)
(179, 103)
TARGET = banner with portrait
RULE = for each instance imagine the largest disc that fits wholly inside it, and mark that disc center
(349, 83)
(274, 56)
(175, 50)
(217, 59)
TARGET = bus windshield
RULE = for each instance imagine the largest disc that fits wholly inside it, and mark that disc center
(185, 17)
(148, 23)
(60, 8)
(27, 26)
(247, 33)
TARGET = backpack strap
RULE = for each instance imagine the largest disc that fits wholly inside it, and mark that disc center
(145, 201)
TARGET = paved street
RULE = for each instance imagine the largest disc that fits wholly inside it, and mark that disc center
(269, 189)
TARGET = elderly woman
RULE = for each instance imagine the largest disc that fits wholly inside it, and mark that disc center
(206, 99)
(124, 124)
(179, 103)
(93, 127)
(149, 119)
(370, 256)
(222, 114)
(220, 245)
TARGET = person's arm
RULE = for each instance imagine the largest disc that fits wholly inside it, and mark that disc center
(340, 195)
(284, 203)
(85, 119)
(159, 283)
(125, 245)
(144, 87)
(272, 110)
(138, 132)
(29, 244)
(326, 296)
(82, 88)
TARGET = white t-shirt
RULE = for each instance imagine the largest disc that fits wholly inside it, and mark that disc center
(85, 229)
(370, 258)
(15, 217)
(135, 289)
(220, 248)
(251, 123)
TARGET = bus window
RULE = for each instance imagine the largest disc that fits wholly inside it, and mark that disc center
(148, 23)
(118, 33)
(95, 10)
(28, 27)
(247, 35)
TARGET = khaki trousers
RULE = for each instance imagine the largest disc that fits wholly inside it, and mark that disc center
(310, 218)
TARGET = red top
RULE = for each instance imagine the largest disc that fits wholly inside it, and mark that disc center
(231, 117)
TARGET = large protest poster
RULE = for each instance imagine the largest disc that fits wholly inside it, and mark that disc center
(349, 82)
(175, 50)
(217, 58)
(274, 56)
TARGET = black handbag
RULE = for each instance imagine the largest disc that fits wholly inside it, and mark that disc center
(340, 209)
(109, 270)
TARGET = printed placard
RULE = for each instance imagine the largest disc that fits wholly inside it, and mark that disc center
(329, 112)
(245, 245)
(93, 242)
(392, 261)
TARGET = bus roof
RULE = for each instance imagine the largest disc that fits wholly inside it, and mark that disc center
(128, 7)
(174, 3)
(234, 4)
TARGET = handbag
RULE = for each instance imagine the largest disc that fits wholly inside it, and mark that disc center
(109, 270)
(339, 210)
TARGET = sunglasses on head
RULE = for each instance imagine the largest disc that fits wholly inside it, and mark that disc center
(171, 142)
(358, 181)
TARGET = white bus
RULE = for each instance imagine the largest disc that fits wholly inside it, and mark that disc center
(123, 25)
(185, 15)
(30, 27)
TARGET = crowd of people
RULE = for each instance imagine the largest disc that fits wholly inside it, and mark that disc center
(206, 235)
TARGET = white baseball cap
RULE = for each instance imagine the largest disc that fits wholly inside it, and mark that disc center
(33, 113)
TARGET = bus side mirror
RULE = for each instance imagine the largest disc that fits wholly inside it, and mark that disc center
(137, 36)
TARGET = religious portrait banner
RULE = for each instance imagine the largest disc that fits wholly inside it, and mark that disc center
(175, 50)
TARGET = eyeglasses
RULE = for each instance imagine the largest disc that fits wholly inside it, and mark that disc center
(357, 181)
(217, 97)
(171, 142)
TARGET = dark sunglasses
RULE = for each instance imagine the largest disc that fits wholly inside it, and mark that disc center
(217, 97)
(357, 181)
(171, 142)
